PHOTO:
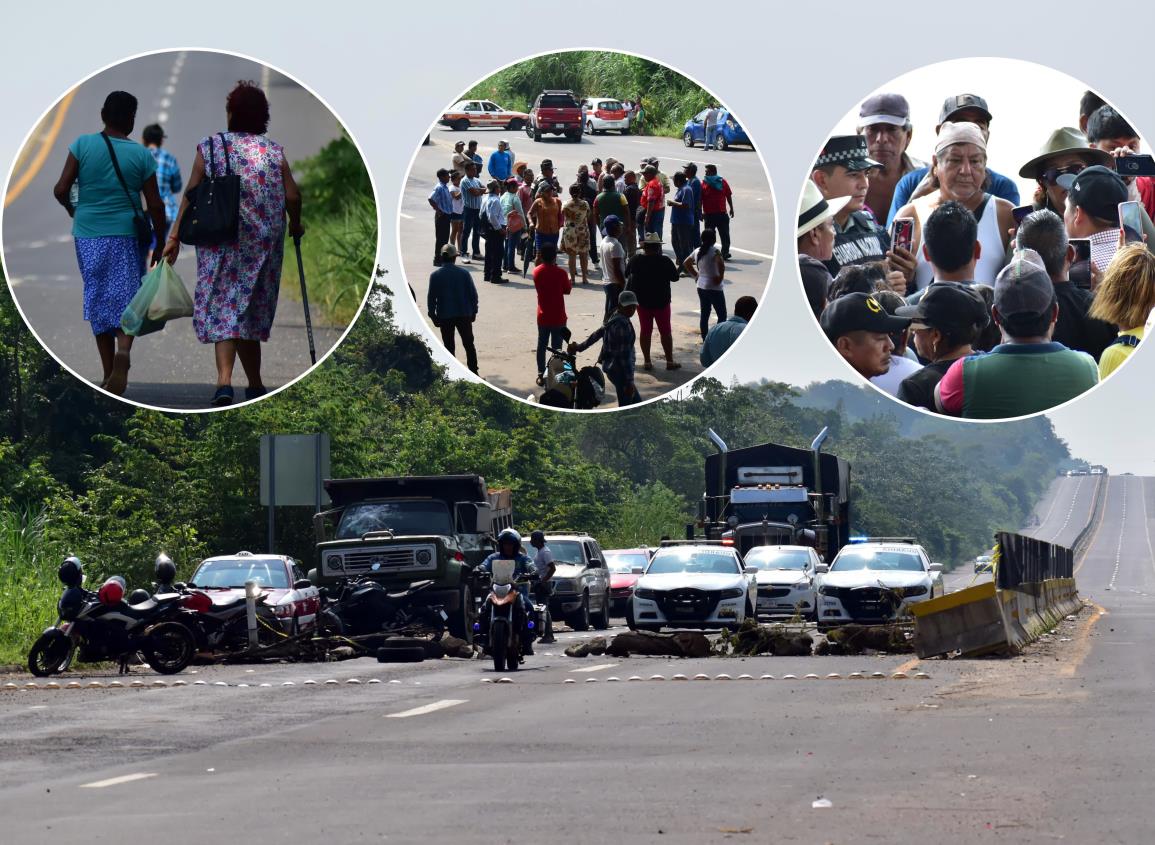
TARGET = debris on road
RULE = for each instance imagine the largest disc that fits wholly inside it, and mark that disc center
(856, 639)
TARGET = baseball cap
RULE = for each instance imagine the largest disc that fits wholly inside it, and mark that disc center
(859, 312)
(627, 297)
(847, 150)
(1023, 286)
(947, 305)
(449, 251)
(959, 102)
(884, 108)
(959, 133)
(611, 220)
(1096, 189)
(547, 162)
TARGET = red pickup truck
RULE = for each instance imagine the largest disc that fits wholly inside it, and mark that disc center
(555, 113)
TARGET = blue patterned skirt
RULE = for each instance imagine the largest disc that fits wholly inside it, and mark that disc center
(112, 268)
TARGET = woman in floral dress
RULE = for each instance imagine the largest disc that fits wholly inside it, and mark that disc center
(575, 236)
(238, 283)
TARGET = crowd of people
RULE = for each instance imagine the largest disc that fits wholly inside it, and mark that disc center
(609, 216)
(238, 282)
(933, 281)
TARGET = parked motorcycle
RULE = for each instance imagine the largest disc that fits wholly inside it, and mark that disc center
(101, 626)
(568, 387)
(362, 606)
(502, 629)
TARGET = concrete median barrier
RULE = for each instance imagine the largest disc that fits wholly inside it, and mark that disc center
(1033, 590)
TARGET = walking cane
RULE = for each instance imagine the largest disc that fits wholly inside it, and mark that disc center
(305, 299)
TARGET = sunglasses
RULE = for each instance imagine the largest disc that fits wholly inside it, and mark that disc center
(1052, 174)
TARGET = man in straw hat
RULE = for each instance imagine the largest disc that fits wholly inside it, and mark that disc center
(816, 243)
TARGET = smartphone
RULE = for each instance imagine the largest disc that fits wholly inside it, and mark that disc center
(1131, 221)
(1135, 165)
(903, 233)
(1021, 211)
(1081, 266)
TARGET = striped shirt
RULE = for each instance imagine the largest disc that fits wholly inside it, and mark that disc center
(442, 198)
(472, 200)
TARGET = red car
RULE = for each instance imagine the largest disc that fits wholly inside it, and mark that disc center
(294, 600)
(626, 567)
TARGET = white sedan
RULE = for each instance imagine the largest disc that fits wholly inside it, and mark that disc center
(693, 586)
(785, 578)
(875, 582)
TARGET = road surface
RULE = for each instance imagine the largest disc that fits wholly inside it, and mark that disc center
(506, 330)
(1053, 746)
(170, 369)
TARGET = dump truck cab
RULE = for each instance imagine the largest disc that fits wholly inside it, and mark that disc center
(401, 529)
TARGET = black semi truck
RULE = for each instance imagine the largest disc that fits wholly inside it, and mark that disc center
(776, 495)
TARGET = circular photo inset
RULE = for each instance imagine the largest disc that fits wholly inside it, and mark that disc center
(587, 229)
(976, 250)
(189, 230)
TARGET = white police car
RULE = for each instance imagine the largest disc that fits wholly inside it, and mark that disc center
(875, 582)
(693, 586)
(785, 578)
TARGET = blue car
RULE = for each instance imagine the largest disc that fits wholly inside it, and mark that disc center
(729, 132)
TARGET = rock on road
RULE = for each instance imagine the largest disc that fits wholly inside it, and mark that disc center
(506, 328)
(170, 369)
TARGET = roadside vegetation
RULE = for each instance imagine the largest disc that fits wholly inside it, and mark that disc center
(115, 485)
(340, 242)
(670, 98)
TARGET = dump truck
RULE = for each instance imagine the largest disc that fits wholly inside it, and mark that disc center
(776, 495)
(402, 529)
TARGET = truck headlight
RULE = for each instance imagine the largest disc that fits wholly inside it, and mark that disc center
(423, 556)
(335, 562)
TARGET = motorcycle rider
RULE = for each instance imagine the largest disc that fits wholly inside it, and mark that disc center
(509, 548)
(543, 563)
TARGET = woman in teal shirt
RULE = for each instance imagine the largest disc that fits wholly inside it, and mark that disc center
(111, 260)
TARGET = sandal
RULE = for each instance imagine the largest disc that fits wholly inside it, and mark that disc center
(223, 396)
(673, 365)
(118, 378)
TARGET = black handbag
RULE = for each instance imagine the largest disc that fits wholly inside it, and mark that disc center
(213, 215)
(140, 224)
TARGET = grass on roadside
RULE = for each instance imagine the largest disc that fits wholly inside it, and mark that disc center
(28, 586)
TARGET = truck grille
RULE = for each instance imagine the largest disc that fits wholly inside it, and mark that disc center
(389, 559)
(688, 603)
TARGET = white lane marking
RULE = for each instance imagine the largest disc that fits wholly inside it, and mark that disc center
(101, 784)
(751, 252)
(1147, 522)
(406, 216)
(597, 668)
(428, 708)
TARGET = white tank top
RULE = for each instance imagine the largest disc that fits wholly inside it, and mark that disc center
(993, 251)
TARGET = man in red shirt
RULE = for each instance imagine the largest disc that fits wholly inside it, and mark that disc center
(716, 199)
(553, 284)
(653, 200)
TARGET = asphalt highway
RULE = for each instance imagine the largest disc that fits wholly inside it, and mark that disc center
(505, 330)
(170, 369)
(1052, 746)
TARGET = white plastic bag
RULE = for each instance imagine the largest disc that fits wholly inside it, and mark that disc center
(171, 299)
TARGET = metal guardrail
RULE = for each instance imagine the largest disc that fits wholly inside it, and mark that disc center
(1097, 506)
(1026, 560)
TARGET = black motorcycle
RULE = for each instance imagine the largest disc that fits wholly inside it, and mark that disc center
(101, 626)
(360, 607)
(221, 627)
